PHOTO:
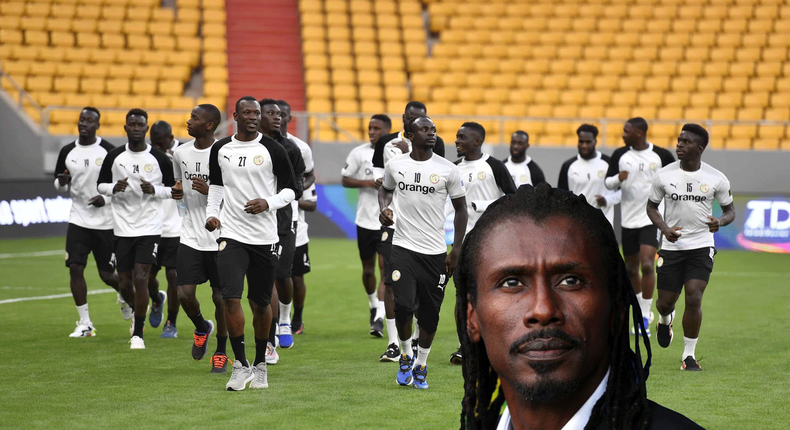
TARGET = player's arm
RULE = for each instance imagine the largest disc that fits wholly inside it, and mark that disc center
(562, 181)
(104, 183)
(438, 147)
(459, 223)
(536, 173)
(724, 196)
(62, 175)
(614, 177)
(501, 176)
(309, 179)
(286, 182)
(309, 199)
(350, 169)
(167, 190)
(216, 191)
(609, 198)
(385, 197)
(656, 195)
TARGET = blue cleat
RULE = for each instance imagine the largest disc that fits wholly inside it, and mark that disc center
(169, 331)
(420, 373)
(155, 318)
(646, 322)
(285, 337)
(405, 377)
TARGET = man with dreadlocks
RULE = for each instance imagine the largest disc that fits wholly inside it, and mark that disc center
(546, 326)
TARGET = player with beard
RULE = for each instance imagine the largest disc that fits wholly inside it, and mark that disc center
(523, 169)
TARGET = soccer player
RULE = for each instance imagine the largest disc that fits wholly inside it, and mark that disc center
(301, 263)
(304, 148)
(523, 169)
(358, 173)
(687, 187)
(197, 251)
(138, 177)
(585, 173)
(486, 179)
(90, 220)
(631, 169)
(246, 170)
(163, 140)
(419, 262)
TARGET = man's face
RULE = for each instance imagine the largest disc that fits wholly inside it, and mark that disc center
(136, 127)
(163, 141)
(88, 123)
(198, 123)
(586, 144)
(423, 133)
(285, 116)
(631, 134)
(410, 114)
(688, 147)
(464, 141)
(542, 308)
(519, 144)
(248, 116)
(271, 118)
(376, 129)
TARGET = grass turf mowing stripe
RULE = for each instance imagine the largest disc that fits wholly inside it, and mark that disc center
(54, 296)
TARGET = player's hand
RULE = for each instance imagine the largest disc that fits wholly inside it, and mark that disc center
(97, 201)
(451, 261)
(601, 200)
(256, 206)
(372, 184)
(385, 217)
(212, 224)
(121, 185)
(623, 175)
(672, 234)
(713, 224)
(403, 146)
(147, 187)
(177, 192)
(377, 183)
(64, 178)
(200, 186)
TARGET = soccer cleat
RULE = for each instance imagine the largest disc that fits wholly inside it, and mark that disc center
(261, 379)
(404, 376)
(652, 317)
(126, 311)
(391, 354)
(690, 364)
(169, 331)
(285, 336)
(646, 322)
(456, 357)
(272, 357)
(137, 342)
(664, 334)
(84, 329)
(239, 377)
(299, 328)
(200, 341)
(377, 328)
(420, 373)
(219, 363)
(155, 318)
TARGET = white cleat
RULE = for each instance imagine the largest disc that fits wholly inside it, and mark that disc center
(239, 377)
(272, 357)
(84, 329)
(261, 379)
(137, 342)
(126, 311)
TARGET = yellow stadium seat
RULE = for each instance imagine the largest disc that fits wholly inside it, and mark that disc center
(316, 76)
(711, 83)
(729, 100)
(59, 24)
(738, 144)
(771, 132)
(89, 12)
(96, 71)
(765, 144)
(772, 69)
(780, 100)
(66, 84)
(703, 99)
(113, 13)
(105, 101)
(750, 114)
(170, 87)
(774, 54)
(343, 76)
(34, 37)
(92, 85)
(88, 40)
(118, 86)
(32, 23)
(743, 131)
(697, 114)
(736, 84)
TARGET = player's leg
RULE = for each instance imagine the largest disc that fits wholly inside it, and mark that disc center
(170, 330)
(384, 249)
(78, 246)
(301, 266)
(431, 283)
(158, 297)
(670, 275)
(272, 357)
(648, 245)
(630, 239)
(699, 266)
(192, 271)
(367, 242)
(219, 361)
(404, 286)
(260, 282)
(285, 287)
(102, 248)
(233, 260)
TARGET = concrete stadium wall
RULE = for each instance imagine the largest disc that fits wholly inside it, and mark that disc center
(21, 142)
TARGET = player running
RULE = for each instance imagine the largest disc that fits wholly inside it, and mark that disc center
(301, 263)
(523, 169)
(687, 187)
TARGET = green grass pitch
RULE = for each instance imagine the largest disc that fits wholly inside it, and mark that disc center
(332, 379)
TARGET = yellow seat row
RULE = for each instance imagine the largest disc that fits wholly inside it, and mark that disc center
(90, 25)
(117, 86)
(139, 10)
(109, 101)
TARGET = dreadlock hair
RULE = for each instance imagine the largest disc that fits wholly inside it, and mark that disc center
(625, 404)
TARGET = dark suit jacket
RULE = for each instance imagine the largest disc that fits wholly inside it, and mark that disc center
(666, 419)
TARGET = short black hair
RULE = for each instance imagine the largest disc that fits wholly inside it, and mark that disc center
(416, 105)
(137, 112)
(383, 118)
(283, 103)
(161, 127)
(588, 128)
(698, 131)
(213, 113)
(522, 132)
(245, 99)
(414, 121)
(264, 102)
(477, 128)
(92, 109)
(639, 123)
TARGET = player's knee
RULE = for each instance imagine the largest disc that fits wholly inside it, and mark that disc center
(693, 300)
(76, 270)
(664, 307)
(216, 297)
(368, 273)
(108, 278)
(646, 266)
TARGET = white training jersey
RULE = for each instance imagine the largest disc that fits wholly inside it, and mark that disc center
(307, 152)
(391, 151)
(526, 172)
(359, 165)
(485, 180)
(172, 221)
(641, 167)
(190, 163)
(240, 172)
(586, 177)
(84, 163)
(134, 213)
(309, 195)
(688, 198)
(421, 188)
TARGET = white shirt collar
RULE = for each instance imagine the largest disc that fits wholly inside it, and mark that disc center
(579, 419)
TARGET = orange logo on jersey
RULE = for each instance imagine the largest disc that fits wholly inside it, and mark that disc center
(258, 160)
(149, 168)
(481, 175)
(434, 178)
(704, 188)
(99, 161)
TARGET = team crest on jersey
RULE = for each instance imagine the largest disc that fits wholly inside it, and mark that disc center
(523, 178)
(481, 175)
(384, 236)
(67, 256)
(395, 275)
(222, 245)
(704, 188)
(601, 173)
(99, 161)
(652, 166)
(434, 178)
(660, 261)
(258, 160)
(148, 168)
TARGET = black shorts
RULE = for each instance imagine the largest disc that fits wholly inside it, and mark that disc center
(132, 250)
(633, 238)
(257, 262)
(301, 263)
(385, 242)
(81, 241)
(285, 253)
(675, 268)
(367, 242)
(418, 281)
(167, 255)
(196, 267)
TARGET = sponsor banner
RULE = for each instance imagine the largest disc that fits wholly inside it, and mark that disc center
(32, 208)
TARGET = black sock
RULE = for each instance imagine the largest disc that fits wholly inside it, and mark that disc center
(272, 331)
(200, 324)
(172, 318)
(139, 323)
(154, 295)
(260, 351)
(222, 342)
(237, 343)
(297, 316)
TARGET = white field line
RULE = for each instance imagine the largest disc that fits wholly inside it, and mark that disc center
(54, 296)
(752, 274)
(33, 254)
